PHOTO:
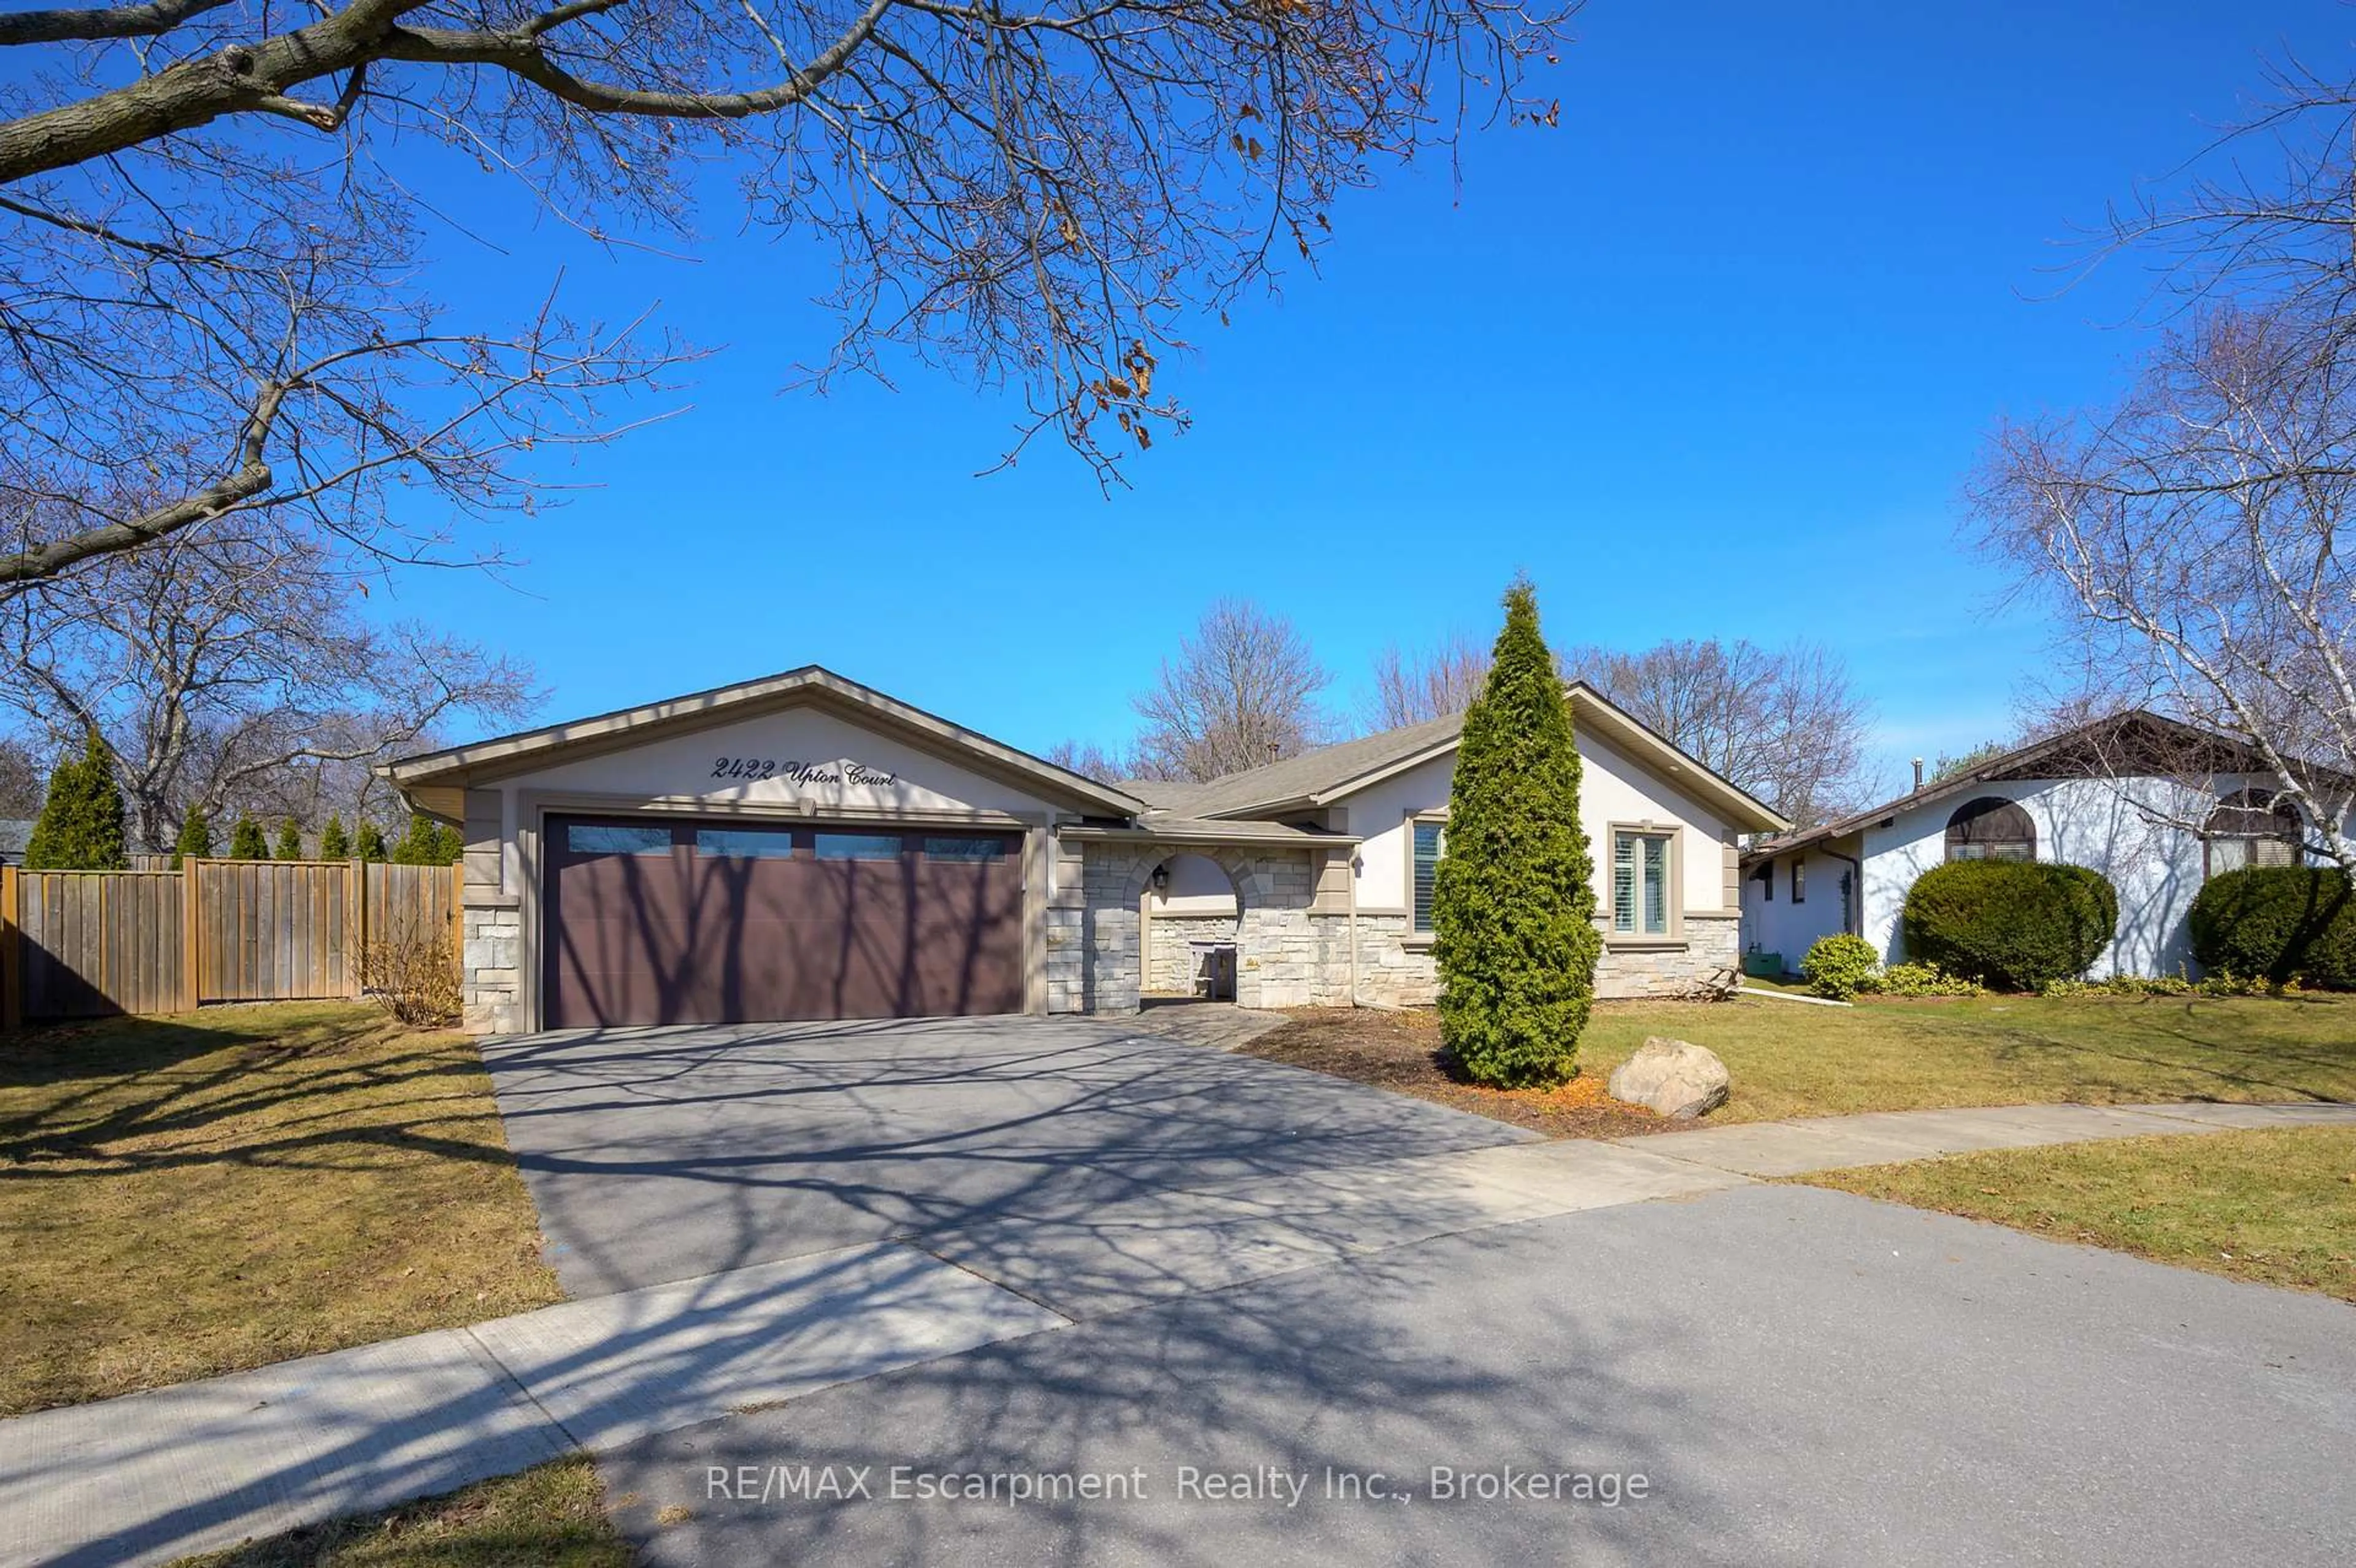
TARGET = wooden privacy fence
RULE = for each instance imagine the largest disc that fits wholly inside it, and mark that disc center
(86, 944)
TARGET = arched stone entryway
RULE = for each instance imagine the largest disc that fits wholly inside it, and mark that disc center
(1191, 914)
(1276, 964)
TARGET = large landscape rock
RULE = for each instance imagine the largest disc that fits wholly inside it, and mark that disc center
(1674, 1077)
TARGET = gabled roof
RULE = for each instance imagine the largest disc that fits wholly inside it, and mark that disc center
(810, 686)
(1328, 774)
(2130, 743)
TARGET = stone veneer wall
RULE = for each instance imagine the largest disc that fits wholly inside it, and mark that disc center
(1712, 952)
(493, 931)
(1393, 972)
(1096, 961)
(1289, 955)
(1170, 963)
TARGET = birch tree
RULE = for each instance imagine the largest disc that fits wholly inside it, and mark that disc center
(2187, 535)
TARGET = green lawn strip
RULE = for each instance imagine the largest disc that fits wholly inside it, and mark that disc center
(1892, 1055)
(2275, 1206)
(553, 1516)
(183, 1197)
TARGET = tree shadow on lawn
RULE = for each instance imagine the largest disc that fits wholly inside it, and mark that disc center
(2257, 1069)
(286, 1086)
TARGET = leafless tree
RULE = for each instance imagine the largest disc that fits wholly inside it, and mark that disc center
(229, 671)
(1411, 688)
(2190, 539)
(1786, 723)
(1093, 761)
(216, 303)
(2188, 532)
(1242, 692)
(23, 781)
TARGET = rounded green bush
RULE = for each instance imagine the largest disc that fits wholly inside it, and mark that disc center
(1840, 965)
(2278, 923)
(2012, 924)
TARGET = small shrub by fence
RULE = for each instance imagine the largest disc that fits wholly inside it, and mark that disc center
(88, 944)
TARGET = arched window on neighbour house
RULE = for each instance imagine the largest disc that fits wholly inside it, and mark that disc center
(1991, 829)
(2251, 827)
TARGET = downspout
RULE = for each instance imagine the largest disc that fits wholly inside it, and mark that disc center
(1350, 864)
(1854, 924)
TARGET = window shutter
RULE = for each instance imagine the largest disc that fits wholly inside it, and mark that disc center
(1624, 883)
(1428, 845)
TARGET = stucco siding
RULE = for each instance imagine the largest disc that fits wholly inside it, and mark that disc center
(2118, 827)
(1776, 925)
(1614, 789)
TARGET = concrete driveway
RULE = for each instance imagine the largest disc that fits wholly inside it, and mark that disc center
(666, 1153)
(1801, 1376)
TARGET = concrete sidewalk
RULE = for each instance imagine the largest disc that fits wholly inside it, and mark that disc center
(154, 1475)
(1883, 1137)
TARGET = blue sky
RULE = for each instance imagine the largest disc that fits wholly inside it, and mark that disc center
(1712, 358)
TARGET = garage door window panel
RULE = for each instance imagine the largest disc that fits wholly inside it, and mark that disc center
(859, 846)
(936, 849)
(586, 838)
(745, 843)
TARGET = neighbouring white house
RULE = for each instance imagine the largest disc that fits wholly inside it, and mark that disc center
(2153, 804)
(804, 847)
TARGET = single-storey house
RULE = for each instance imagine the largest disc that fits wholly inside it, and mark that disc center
(2118, 796)
(804, 847)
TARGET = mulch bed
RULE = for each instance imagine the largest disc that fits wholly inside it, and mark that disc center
(1401, 1052)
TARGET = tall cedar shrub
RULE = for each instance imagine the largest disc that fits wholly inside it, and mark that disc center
(421, 844)
(80, 825)
(369, 843)
(2277, 923)
(1512, 906)
(334, 843)
(195, 838)
(246, 842)
(290, 841)
(2012, 924)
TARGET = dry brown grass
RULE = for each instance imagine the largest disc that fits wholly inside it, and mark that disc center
(182, 1197)
(2276, 1205)
(551, 1517)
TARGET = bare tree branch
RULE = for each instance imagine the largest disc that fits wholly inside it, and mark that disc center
(198, 305)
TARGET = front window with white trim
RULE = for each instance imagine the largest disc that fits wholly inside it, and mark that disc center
(1641, 888)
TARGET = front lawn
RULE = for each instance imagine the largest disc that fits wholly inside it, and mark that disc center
(181, 1196)
(1788, 1060)
(551, 1517)
(2276, 1206)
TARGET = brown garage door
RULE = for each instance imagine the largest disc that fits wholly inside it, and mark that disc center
(649, 921)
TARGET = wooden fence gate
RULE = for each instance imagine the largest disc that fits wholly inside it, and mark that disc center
(88, 944)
